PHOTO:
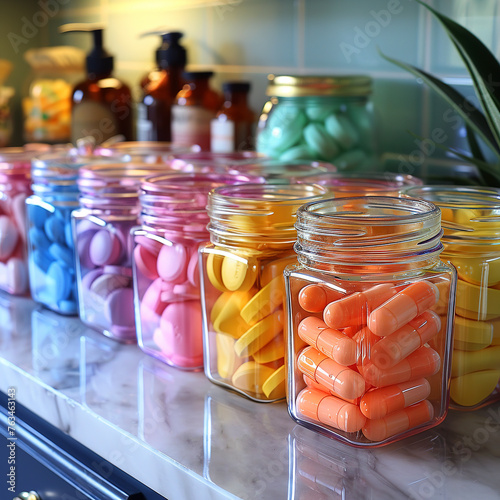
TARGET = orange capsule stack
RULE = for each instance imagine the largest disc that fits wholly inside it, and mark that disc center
(374, 382)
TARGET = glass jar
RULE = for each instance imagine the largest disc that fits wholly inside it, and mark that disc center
(348, 184)
(212, 162)
(165, 266)
(328, 118)
(15, 187)
(194, 108)
(471, 222)
(51, 256)
(370, 319)
(252, 237)
(284, 172)
(109, 208)
(47, 107)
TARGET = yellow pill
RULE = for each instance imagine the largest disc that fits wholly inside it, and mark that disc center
(227, 361)
(238, 273)
(229, 320)
(214, 271)
(250, 377)
(479, 271)
(274, 386)
(276, 268)
(257, 336)
(464, 362)
(496, 332)
(272, 351)
(265, 301)
(470, 335)
(475, 302)
(472, 388)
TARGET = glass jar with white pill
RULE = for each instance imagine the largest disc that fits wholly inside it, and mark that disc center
(109, 209)
(165, 264)
(15, 187)
(326, 118)
(471, 222)
(251, 242)
(370, 319)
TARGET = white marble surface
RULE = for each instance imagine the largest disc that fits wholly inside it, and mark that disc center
(187, 438)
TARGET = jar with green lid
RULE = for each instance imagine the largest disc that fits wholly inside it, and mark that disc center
(328, 118)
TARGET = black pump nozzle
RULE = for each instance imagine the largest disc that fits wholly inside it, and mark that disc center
(99, 61)
(170, 53)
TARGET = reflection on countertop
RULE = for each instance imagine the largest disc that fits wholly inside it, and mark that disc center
(187, 438)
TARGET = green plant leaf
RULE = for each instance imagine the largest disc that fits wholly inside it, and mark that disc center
(473, 144)
(481, 65)
(471, 116)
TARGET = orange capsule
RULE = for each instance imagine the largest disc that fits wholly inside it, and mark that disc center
(332, 375)
(313, 298)
(353, 309)
(378, 403)
(399, 421)
(424, 362)
(314, 385)
(330, 410)
(403, 307)
(390, 350)
(330, 342)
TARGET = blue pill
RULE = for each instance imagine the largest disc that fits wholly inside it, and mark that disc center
(42, 259)
(37, 215)
(68, 235)
(38, 239)
(54, 229)
(67, 307)
(62, 254)
(59, 282)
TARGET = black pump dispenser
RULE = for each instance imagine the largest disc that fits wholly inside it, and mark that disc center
(171, 52)
(99, 61)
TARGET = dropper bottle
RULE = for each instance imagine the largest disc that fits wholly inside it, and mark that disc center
(159, 88)
(101, 104)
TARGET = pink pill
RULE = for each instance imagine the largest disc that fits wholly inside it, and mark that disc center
(119, 308)
(193, 273)
(126, 334)
(90, 277)
(19, 213)
(122, 270)
(153, 246)
(105, 248)
(181, 336)
(145, 262)
(172, 263)
(8, 237)
(152, 297)
(105, 284)
(83, 248)
(187, 290)
(17, 276)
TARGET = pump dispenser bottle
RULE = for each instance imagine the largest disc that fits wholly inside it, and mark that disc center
(159, 88)
(101, 104)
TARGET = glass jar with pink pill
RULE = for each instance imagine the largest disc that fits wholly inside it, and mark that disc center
(251, 242)
(470, 217)
(165, 265)
(346, 184)
(51, 256)
(109, 209)
(370, 319)
(15, 187)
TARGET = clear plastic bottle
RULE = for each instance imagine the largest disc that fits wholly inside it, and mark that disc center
(159, 88)
(233, 128)
(243, 295)
(194, 108)
(370, 319)
(470, 217)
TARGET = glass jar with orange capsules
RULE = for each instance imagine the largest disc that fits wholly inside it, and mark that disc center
(370, 310)
(471, 222)
(242, 289)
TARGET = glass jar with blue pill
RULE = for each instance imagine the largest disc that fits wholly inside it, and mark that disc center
(109, 209)
(50, 239)
(326, 118)
(15, 187)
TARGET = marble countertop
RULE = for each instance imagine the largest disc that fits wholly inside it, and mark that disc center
(184, 437)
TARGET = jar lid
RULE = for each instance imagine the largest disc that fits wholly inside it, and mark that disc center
(301, 86)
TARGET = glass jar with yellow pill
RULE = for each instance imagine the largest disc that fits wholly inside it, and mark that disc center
(252, 236)
(324, 118)
(471, 223)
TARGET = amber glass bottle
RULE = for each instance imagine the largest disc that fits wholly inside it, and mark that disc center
(101, 104)
(159, 89)
(194, 108)
(233, 127)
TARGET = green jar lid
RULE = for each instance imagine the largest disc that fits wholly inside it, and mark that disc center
(302, 86)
